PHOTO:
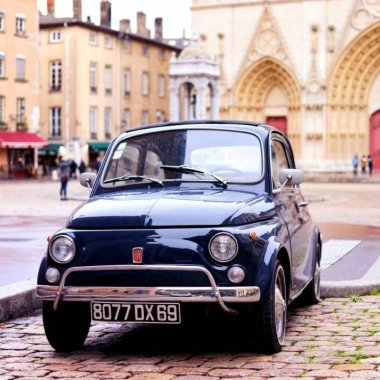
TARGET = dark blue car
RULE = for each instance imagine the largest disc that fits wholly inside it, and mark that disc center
(184, 217)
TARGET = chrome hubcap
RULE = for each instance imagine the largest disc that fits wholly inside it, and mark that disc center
(317, 280)
(280, 305)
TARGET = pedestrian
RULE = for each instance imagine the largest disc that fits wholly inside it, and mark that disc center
(363, 163)
(370, 164)
(82, 167)
(64, 175)
(355, 164)
(73, 169)
(98, 162)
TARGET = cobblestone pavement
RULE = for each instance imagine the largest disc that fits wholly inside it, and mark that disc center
(337, 339)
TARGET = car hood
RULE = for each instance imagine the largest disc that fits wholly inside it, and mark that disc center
(172, 208)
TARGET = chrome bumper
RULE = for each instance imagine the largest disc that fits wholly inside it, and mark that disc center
(213, 293)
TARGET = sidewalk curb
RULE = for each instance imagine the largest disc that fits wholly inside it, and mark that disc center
(18, 300)
(337, 289)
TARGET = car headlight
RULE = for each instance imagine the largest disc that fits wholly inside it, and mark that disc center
(62, 249)
(223, 247)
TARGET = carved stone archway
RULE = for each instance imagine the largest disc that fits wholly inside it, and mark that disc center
(253, 88)
(348, 95)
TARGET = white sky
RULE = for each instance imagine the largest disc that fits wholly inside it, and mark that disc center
(176, 14)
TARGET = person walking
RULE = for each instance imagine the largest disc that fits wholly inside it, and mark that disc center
(370, 164)
(355, 164)
(363, 164)
(82, 167)
(64, 175)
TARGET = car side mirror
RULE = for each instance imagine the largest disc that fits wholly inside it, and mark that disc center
(87, 179)
(289, 177)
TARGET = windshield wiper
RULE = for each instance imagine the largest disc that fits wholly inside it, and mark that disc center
(132, 177)
(189, 169)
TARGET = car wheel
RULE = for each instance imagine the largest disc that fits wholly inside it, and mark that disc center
(66, 329)
(271, 323)
(311, 294)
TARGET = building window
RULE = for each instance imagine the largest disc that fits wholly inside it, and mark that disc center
(2, 64)
(55, 76)
(107, 122)
(93, 127)
(93, 38)
(144, 117)
(55, 122)
(127, 46)
(20, 110)
(108, 42)
(2, 21)
(161, 86)
(161, 54)
(145, 83)
(145, 50)
(127, 82)
(55, 36)
(20, 68)
(93, 77)
(126, 120)
(20, 24)
(2, 112)
(108, 79)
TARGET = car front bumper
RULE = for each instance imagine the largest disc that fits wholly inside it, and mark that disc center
(213, 293)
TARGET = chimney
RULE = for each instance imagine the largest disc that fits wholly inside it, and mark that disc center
(158, 28)
(51, 8)
(141, 25)
(77, 9)
(105, 13)
(125, 26)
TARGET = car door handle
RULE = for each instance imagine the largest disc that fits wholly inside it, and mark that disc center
(303, 204)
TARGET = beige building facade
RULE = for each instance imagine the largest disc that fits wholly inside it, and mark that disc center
(19, 88)
(309, 67)
(97, 82)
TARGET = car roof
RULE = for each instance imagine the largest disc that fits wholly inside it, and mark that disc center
(241, 124)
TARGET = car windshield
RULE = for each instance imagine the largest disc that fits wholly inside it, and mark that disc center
(185, 155)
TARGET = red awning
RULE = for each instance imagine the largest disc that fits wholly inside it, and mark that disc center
(22, 140)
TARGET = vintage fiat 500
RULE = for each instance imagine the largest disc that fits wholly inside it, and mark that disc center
(185, 216)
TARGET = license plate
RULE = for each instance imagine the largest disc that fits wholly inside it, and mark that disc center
(136, 312)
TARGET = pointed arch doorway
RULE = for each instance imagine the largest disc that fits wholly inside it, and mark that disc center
(374, 130)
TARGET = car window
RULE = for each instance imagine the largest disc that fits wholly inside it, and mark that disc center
(279, 161)
(233, 155)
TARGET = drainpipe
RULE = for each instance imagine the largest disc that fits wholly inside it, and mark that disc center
(67, 87)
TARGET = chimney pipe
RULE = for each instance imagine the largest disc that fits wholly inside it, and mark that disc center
(125, 26)
(105, 13)
(141, 25)
(158, 28)
(51, 8)
(77, 9)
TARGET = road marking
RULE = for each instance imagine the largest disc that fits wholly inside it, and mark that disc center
(335, 249)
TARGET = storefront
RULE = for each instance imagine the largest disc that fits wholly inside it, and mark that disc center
(48, 158)
(96, 152)
(19, 154)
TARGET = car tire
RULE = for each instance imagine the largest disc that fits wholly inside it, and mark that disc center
(312, 293)
(66, 329)
(271, 322)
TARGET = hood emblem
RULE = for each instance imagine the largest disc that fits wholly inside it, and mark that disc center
(137, 255)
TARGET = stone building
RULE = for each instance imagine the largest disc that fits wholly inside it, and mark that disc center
(19, 88)
(97, 82)
(309, 67)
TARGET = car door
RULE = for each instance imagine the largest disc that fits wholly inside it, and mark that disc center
(292, 208)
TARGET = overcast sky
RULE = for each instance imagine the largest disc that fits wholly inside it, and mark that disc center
(176, 14)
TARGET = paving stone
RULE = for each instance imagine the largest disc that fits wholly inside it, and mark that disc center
(227, 373)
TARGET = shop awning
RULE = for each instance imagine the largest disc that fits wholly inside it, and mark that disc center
(21, 140)
(50, 150)
(100, 145)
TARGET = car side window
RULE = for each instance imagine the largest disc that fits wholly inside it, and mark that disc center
(279, 161)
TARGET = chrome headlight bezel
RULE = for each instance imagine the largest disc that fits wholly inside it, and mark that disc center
(70, 243)
(233, 244)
